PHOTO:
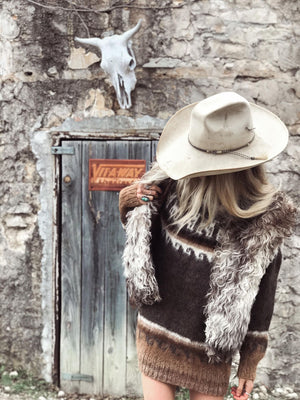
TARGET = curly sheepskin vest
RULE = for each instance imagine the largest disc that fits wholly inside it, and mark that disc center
(244, 251)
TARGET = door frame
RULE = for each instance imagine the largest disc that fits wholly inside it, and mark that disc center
(137, 134)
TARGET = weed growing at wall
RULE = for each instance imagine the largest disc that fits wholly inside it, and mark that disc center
(20, 381)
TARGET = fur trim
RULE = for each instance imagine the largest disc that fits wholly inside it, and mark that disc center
(137, 260)
(246, 250)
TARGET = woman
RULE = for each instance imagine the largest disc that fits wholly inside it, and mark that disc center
(203, 249)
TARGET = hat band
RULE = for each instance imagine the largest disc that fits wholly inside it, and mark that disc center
(223, 151)
(233, 151)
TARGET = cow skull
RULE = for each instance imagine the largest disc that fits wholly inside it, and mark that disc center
(118, 61)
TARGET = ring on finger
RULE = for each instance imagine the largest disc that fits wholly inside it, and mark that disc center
(145, 199)
(248, 394)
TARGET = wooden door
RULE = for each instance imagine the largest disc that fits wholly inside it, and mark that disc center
(97, 344)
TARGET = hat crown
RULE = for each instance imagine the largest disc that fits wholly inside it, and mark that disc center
(222, 122)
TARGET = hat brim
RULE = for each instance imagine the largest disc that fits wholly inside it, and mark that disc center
(179, 159)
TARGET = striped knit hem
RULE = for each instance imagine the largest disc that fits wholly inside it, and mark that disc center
(163, 357)
(158, 329)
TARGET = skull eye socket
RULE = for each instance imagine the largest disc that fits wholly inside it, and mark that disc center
(131, 64)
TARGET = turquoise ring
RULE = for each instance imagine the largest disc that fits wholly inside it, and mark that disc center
(145, 199)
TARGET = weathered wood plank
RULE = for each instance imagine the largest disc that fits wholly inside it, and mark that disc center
(136, 150)
(133, 376)
(93, 268)
(153, 149)
(114, 382)
(70, 267)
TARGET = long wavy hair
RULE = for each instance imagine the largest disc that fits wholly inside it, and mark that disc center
(243, 194)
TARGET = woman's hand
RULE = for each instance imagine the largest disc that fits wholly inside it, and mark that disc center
(242, 392)
(146, 193)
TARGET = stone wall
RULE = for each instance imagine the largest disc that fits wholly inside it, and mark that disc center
(185, 51)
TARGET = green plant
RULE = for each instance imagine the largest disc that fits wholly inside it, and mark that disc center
(24, 382)
(182, 394)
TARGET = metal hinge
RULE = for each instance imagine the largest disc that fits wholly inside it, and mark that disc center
(76, 377)
(62, 150)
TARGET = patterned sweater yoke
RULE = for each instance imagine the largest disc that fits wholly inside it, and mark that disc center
(202, 294)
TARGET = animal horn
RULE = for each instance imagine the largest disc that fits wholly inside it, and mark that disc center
(92, 41)
(127, 35)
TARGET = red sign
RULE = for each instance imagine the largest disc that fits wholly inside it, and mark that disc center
(114, 174)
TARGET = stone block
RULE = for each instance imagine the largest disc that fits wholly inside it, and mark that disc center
(289, 55)
(177, 49)
(251, 68)
(207, 23)
(246, 88)
(160, 62)
(7, 91)
(57, 114)
(9, 28)
(216, 48)
(288, 9)
(256, 15)
(60, 26)
(77, 74)
(195, 50)
(289, 112)
(93, 105)
(296, 29)
(284, 310)
(203, 7)
(178, 22)
(285, 54)
(13, 221)
(79, 59)
(269, 93)
(52, 71)
(22, 208)
(199, 69)
(6, 57)
(257, 34)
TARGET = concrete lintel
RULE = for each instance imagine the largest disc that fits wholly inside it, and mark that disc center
(126, 135)
(113, 124)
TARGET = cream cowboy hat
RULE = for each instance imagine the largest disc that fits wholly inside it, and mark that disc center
(221, 134)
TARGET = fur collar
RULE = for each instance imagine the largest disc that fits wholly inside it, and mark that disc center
(246, 249)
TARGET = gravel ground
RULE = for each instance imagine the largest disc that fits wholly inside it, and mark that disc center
(260, 392)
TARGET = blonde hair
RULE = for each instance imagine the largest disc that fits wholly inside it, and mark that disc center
(243, 194)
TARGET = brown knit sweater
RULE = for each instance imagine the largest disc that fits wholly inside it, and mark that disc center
(172, 340)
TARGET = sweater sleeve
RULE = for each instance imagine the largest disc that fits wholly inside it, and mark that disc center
(127, 201)
(255, 344)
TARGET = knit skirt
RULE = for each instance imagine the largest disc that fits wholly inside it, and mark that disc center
(170, 358)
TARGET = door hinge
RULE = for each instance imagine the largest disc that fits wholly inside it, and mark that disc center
(76, 377)
(63, 150)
